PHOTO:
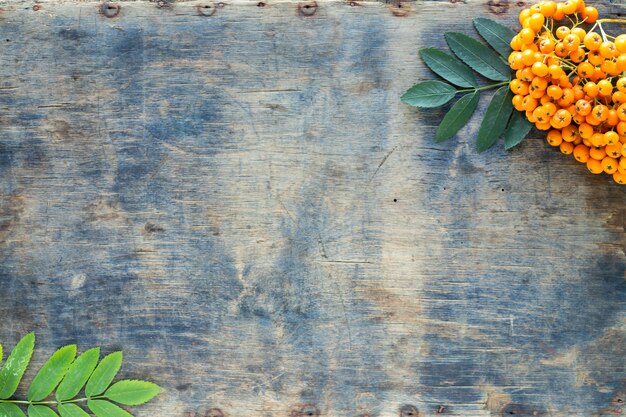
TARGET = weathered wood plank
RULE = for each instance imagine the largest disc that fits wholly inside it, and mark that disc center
(242, 204)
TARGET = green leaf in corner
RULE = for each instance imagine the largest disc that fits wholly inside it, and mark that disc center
(448, 67)
(71, 410)
(10, 410)
(103, 408)
(496, 35)
(478, 56)
(103, 375)
(495, 119)
(429, 93)
(40, 411)
(0, 354)
(516, 130)
(132, 392)
(51, 373)
(78, 374)
(457, 116)
(15, 365)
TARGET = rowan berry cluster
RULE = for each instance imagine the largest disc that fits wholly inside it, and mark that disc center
(572, 83)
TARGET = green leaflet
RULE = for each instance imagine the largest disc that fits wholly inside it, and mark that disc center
(496, 35)
(448, 67)
(0, 354)
(478, 56)
(51, 373)
(103, 408)
(495, 119)
(71, 410)
(516, 130)
(429, 93)
(41, 411)
(132, 392)
(457, 116)
(15, 365)
(103, 375)
(10, 410)
(78, 374)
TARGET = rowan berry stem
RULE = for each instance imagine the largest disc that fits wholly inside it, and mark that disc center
(485, 87)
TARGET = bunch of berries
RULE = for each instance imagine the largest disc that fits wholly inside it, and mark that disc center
(572, 83)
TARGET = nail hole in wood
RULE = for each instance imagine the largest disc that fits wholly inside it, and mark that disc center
(206, 9)
(307, 9)
(110, 10)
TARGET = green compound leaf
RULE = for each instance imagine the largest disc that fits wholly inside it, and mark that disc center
(132, 392)
(10, 410)
(15, 365)
(78, 374)
(0, 353)
(51, 373)
(495, 119)
(457, 116)
(103, 375)
(448, 67)
(41, 411)
(478, 56)
(429, 93)
(516, 130)
(103, 408)
(496, 35)
(71, 410)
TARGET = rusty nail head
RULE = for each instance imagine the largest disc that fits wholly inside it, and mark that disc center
(110, 10)
(206, 9)
(409, 410)
(307, 9)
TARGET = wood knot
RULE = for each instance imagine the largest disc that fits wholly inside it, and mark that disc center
(498, 6)
(306, 410)
(307, 9)
(110, 10)
(400, 8)
(409, 410)
(208, 9)
(37, 7)
(214, 412)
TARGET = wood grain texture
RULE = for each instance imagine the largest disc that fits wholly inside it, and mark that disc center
(242, 204)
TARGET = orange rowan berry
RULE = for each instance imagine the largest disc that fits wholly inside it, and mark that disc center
(620, 43)
(562, 32)
(597, 153)
(561, 118)
(523, 15)
(600, 112)
(528, 57)
(592, 41)
(578, 119)
(621, 112)
(623, 151)
(597, 140)
(540, 116)
(613, 151)
(536, 21)
(594, 166)
(592, 120)
(550, 109)
(559, 14)
(548, 8)
(580, 32)
(519, 87)
(530, 117)
(569, 133)
(545, 99)
(517, 102)
(579, 93)
(585, 130)
(585, 69)
(591, 89)
(619, 177)
(581, 153)
(620, 63)
(572, 42)
(608, 49)
(621, 84)
(527, 35)
(554, 92)
(546, 46)
(583, 107)
(612, 119)
(529, 103)
(540, 69)
(577, 55)
(609, 67)
(567, 98)
(590, 14)
(610, 138)
(605, 88)
(595, 57)
(516, 43)
(609, 165)
(570, 6)
(543, 126)
(554, 137)
(621, 128)
(622, 161)
(560, 50)
(566, 147)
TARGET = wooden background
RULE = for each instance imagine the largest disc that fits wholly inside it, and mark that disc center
(233, 194)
